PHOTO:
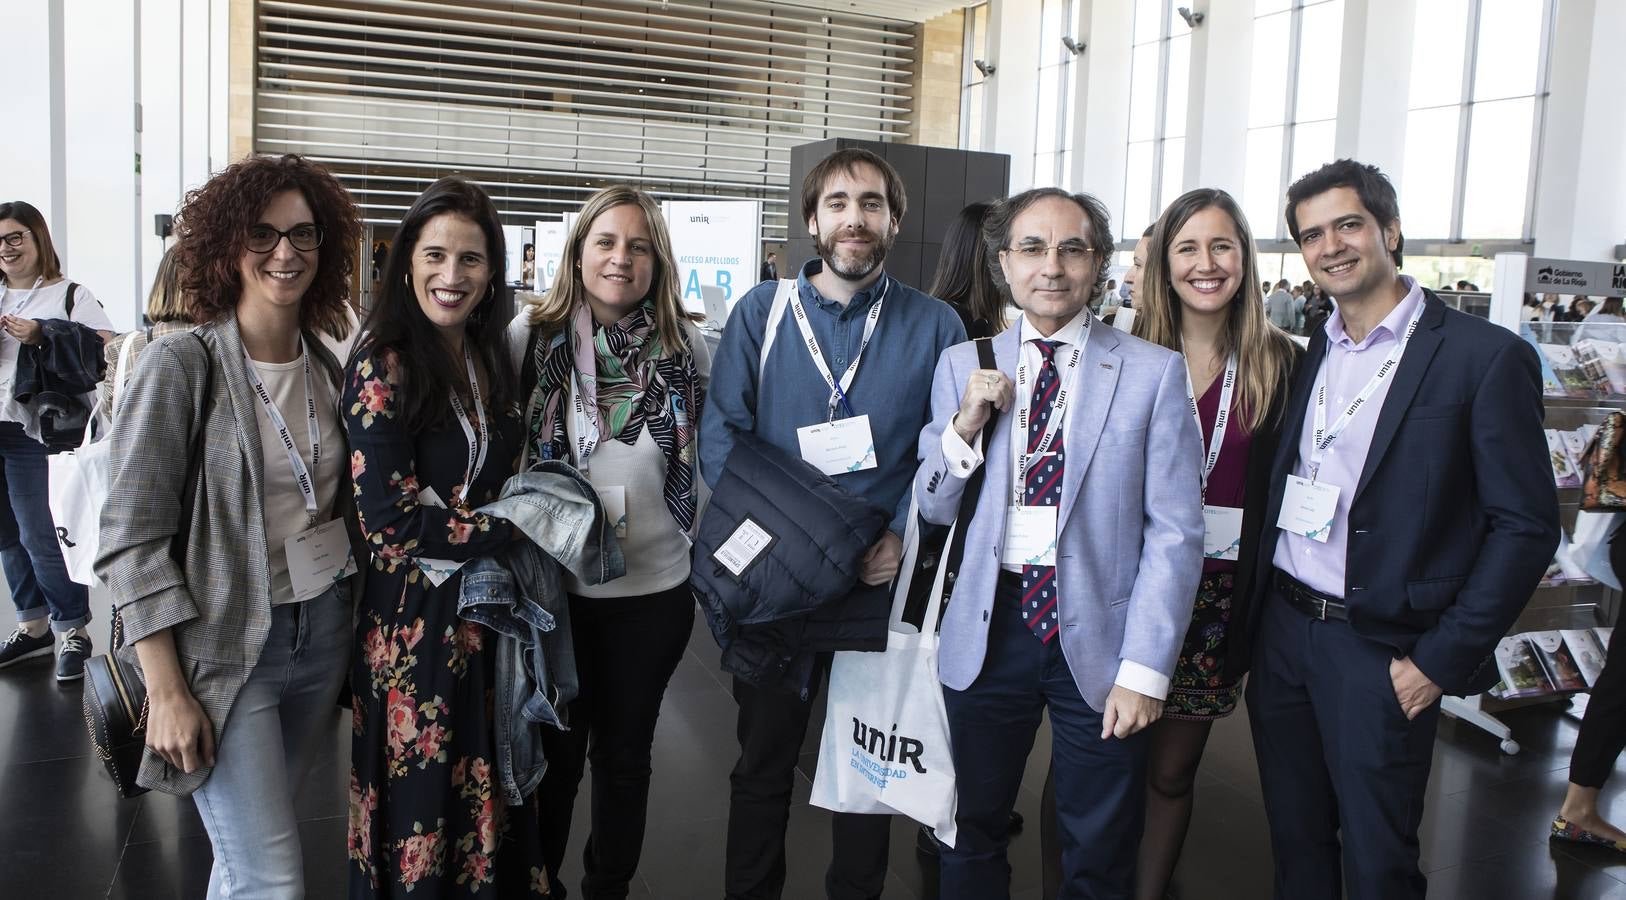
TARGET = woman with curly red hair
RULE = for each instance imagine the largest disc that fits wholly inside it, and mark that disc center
(223, 538)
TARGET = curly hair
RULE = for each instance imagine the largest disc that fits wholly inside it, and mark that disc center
(213, 227)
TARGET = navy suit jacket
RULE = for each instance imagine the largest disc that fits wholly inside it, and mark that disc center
(1455, 516)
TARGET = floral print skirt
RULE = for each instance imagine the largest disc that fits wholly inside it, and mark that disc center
(1199, 690)
(427, 815)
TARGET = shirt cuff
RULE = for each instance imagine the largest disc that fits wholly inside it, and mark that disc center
(1142, 680)
(962, 458)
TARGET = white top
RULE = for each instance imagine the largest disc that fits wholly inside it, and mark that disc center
(49, 302)
(656, 551)
(964, 459)
(284, 504)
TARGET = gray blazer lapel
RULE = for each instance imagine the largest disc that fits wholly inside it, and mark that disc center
(1097, 380)
(997, 455)
(240, 397)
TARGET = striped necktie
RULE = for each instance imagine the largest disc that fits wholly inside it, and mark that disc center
(1042, 488)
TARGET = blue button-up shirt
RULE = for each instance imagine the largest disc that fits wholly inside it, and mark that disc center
(893, 384)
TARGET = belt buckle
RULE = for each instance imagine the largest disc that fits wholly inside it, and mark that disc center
(1321, 610)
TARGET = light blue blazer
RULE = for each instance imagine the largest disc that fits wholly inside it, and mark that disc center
(1129, 549)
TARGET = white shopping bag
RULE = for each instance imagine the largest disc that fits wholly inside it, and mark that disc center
(78, 481)
(1589, 549)
(886, 736)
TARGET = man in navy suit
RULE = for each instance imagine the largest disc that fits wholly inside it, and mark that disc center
(1414, 515)
(1081, 560)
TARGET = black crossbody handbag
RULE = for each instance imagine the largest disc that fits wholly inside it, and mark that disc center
(115, 698)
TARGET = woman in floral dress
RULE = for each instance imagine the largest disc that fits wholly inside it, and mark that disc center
(435, 433)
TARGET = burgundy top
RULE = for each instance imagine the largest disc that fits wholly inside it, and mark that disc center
(1229, 481)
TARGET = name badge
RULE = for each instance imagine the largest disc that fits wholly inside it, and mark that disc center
(1222, 532)
(317, 558)
(1308, 508)
(436, 570)
(1030, 536)
(839, 447)
(614, 499)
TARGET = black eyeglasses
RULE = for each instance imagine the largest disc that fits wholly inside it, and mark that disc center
(304, 236)
(14, 239)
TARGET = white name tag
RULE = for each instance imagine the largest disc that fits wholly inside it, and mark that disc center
(614, 498)
(1030, 536)
(748, 542)
(317, 558)
(1222, 532)
(839, 447)
(436, 570)
(1308, 508)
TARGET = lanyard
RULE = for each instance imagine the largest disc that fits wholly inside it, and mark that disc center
(1222, 419)
(1325, 436)
(584, 409)
(478, 443)
(4, 290)
(838, 391)
(1058, 410)
(302, 474)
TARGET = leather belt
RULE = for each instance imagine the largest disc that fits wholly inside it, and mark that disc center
(1308, 600)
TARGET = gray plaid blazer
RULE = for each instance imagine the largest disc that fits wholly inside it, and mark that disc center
(213, 590)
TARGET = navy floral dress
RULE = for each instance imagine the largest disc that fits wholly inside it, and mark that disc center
(427, 817)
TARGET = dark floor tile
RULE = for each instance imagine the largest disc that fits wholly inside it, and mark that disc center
(177, 867)
(63, 828)
(1452, 834)
(39, 718)
(1535, 873)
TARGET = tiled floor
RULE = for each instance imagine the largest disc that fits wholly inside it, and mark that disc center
(65, 836)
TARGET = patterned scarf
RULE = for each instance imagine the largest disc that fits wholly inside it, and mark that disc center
(635, 381)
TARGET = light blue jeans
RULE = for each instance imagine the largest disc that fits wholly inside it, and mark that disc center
(284, 709)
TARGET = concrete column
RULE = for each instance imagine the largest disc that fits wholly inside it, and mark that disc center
(1374, 83)
(939, 68)
(1581, 186)
(1217, 115)
(1011, 95)
(36, 173)
(1101, 128)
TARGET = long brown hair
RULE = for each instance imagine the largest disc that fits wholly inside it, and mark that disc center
(1263, 351)
(553, 311)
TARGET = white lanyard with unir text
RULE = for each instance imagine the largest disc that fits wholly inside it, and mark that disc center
(838, 390)
(302, 474)
(478, 442)
(1324, 436)
(29, 298)
(1222, 419)
(1025, 385)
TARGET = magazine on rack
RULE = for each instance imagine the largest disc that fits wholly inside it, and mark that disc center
(1591, 364)
(1564, 471)
(1567, 368)
(1522, 674)
(1613, 358)
(1603, 633)
(1556, 661)
(1587, 652)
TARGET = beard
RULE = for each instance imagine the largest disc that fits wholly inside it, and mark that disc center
(854, 268)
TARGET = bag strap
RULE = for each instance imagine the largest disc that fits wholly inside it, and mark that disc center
(973, 488)
(72, 288)
(776, 314)
(122, 368)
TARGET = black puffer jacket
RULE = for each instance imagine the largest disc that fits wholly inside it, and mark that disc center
(776, 565)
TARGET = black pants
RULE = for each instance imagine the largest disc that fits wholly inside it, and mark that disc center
(770, 729)
(1343, 771)
(1603, 731)
(626, 651)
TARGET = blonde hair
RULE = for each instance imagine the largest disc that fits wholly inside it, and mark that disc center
(165, 303)
(552, 313)
(1263, 351)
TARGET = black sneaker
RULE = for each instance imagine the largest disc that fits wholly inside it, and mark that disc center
(20, 646)
(70, 660)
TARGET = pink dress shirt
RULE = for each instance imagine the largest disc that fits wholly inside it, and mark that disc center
(1348, 366)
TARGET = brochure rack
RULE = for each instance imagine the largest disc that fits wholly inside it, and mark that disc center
(1584, 380)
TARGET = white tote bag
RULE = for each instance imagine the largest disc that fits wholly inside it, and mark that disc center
(78, 481)
(886, 736)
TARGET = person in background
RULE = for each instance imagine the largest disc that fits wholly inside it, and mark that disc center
(430, 408)
(242, 640)
(851, 204)
(1408, 536)
(963, 280)
(770, 267)
(527, 272)
(1111, 291)
(612, 330)
(1581, 309)
(1531, 309)
(33, 290)
(1036, 626)
(1279, 305)
(166, 311)
(381, 252)
(1598, 744)
(1198, 300)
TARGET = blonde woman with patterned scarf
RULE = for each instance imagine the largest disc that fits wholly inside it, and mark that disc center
(616, 374)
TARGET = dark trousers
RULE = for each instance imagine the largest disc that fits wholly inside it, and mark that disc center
(1603, 730)
(1342, 769)
(1100, 785)
(771, 726)
(626, 651)
(29, 552)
